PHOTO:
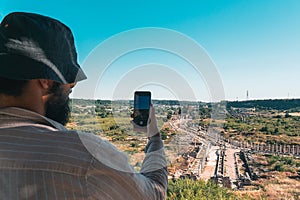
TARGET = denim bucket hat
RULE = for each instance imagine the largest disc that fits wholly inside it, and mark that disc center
(33, 46)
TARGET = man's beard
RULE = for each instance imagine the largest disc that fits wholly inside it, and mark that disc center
(58, 108)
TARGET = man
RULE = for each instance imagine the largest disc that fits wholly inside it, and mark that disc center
(39, 157)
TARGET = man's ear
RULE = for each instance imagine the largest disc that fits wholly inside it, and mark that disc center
(45, 84)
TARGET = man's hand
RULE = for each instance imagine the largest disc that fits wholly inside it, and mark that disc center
(151, 129)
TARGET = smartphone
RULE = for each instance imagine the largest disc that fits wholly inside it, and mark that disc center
(142, 101)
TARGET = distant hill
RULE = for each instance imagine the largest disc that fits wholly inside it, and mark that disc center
(270, 104)
(154, 101)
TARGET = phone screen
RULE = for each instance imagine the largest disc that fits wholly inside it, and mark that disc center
(142, 100)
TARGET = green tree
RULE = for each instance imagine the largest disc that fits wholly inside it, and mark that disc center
(169, 115)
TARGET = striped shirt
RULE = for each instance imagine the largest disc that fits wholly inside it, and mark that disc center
(41, 159)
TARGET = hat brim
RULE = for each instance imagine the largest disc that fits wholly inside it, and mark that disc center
(20, 67)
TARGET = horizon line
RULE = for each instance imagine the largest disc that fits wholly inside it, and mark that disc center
(243, 100)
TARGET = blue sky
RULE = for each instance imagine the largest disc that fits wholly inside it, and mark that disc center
(255, 44)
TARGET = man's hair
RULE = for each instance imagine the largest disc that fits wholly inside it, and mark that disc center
(12, 87)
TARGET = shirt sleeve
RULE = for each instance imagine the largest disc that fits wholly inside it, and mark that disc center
(154, 166)
(112, 177)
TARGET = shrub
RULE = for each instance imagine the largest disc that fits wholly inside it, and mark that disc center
(279, 167)
(182, 189)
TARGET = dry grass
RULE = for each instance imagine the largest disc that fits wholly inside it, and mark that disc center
(278, 187)
(272, 184)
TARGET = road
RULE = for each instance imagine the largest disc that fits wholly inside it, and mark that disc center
(204, 166)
